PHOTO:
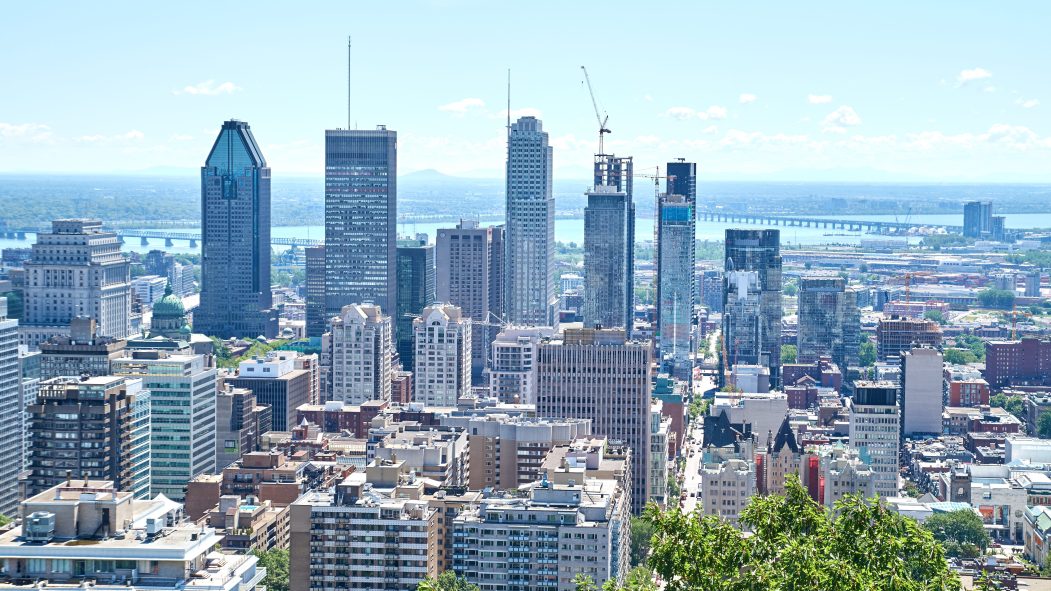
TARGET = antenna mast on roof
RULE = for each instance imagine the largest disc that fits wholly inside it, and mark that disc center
(348, 82)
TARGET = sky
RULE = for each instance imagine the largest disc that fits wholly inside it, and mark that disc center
(940, 91)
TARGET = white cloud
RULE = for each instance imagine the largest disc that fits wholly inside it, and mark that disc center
(182, 137)
(209, 88)
(819, 99)
(34, 132)
(1027, 103)
(989, 88)
(684, 113)
(133, 135)
(746, 98)
(648, 98)
(839, 120)
(966, 76)
(711, 129)
(463, 105)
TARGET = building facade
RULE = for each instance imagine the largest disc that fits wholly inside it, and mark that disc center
(894, 336)
(442, 338)
(182, 435)
(603, 376)
(875, 431)
(921, 392)
(12, 409)
(609, 246)
(76, 269)
(278, 383)
(362, 354)
(416, 291)
(676, 293)
(829, 321)
(317, 316)
(361, 215)
(235, 238)
(529, 261)
(470, 274)
(512, 371)
(757, 251)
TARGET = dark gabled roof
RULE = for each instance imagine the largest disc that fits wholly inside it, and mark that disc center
(720, 432)
(785, 436)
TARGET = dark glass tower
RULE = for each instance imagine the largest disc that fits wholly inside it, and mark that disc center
(676, 258)
(609, 241)
(416, 291)
(757, 251)
(361, 217)
(235, 238)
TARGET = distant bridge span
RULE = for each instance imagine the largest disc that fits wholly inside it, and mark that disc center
(881, 227)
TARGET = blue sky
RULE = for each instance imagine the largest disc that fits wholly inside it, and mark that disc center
(894, 91)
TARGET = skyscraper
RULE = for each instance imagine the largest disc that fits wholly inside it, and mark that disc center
(317, 318)
(921, 392)
(829, 321)
(682, 179)
(603, 376)
(416, 291)
(874, 432)
(469, 263)
(11, 413)
(442, 371)
(362, 348)
(361, 215)
(758, 251)
(77, 269)
(609, 246)
(978, 219)
(676, 253)
(235, 238)
(530, 229)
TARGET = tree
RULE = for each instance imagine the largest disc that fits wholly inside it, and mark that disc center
(935, 315)
(790, 289)
(959, 356)
(4, 520)
(1043, 426)
(447, 581)
(957, 529)
(641, 533)
(996, 298)
(788, 354)
(1012, 404)
(797, 544)
(275, 562)
(867, 354)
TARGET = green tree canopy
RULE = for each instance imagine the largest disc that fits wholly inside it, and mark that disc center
(935, 315)
(959, 356)
(799, 545)
(447, 581)
(996, 298)
(1012, 404)
(1043, 425)
(788, 354)
(867, 354)
(641, 532)
(275, 562)
(958, 529)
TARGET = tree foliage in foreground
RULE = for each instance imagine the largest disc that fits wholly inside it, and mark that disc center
(962, 532)
(275, 562)
(447, 581)
(796, 545)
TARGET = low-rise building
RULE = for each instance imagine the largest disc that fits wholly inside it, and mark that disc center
(248, 525)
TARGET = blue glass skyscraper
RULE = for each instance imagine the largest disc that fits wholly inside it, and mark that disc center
(235, 233)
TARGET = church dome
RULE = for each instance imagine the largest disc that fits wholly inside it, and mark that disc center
(170, 306)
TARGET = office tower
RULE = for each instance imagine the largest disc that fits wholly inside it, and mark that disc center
(148, 289)
(416, 290)
(240, 424)
(28, 387)
(82, 352)
(710, 290)
(1032, 283)
(317, 318)
(77, 269)
(182, 279)
(469, 274)
(90, 428)
(529, 530)
(743, 326)
(997, 228)
(277, 383)
(758, 251)
(682, 180)
(829, 321)
(921, 392)
(442, 338)
(11, 413)
(609, 246)
(157, 262)
(874, 432)
(603, 376)
(235, 238)
(676, 255)
(897, 335)
(361, 216)
(978, 219)
(512, 373)
(182, 391)
(530, 229)
(362, 351)
(394, 539)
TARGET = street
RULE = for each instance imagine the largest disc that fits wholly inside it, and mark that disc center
(693, 450)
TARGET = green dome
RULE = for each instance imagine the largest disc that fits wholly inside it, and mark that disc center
(170, 306)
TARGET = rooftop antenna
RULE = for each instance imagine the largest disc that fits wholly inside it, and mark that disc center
(348, 83)
(509, 108)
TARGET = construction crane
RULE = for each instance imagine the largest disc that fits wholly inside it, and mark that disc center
(1014, 320)
(602, 129)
